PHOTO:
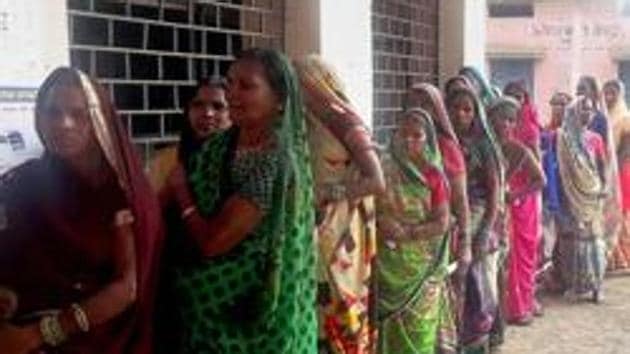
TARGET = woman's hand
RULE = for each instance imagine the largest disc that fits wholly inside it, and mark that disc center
(19, 340)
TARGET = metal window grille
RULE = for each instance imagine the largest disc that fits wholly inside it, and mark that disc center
(405, 49)
(511, 8)
(150, 53)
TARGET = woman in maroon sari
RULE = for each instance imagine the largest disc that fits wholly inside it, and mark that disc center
(79, 232)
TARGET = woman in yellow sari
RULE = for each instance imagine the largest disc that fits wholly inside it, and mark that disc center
(346, 173)
(619, 116)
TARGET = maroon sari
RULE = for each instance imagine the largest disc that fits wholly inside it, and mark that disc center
(56, 237)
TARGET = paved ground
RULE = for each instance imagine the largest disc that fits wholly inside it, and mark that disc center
(582, 328)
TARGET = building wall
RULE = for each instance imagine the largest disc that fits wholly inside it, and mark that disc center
(565, 39)
(405, 51)
(149, 53)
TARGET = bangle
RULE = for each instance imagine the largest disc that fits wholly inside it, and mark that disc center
(81, 318)
(51, 331)
(124, 217)
(188, 212)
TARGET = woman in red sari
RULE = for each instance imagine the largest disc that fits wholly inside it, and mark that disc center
(83, 228)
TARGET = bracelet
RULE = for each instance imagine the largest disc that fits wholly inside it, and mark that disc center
(124, 217)
(188, 212)
(51, 331)
(81, 318)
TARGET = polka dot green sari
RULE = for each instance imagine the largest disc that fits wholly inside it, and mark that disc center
(260, 297)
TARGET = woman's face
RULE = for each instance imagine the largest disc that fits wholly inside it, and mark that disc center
(462, 112)
(64, 123)
(251, 99)
(503, 124)
(517, 94)
(208, 112)
(611, 94)
(586, 111)
(413, 136)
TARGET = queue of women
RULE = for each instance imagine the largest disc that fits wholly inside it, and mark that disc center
(276, 225)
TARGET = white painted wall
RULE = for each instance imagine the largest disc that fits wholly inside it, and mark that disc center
(33, 41)
(341, 32)
(462, 36)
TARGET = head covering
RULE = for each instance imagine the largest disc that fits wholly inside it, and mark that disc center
(485, 92)
(431, 150)
(503, 106)
(529, 125)
(618, 112)
(481, 127)
(117, 149)
(325, 93)
(441, 119)
(448, 86)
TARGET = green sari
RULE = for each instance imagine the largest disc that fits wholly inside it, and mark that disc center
(411, 275)
(260, 296)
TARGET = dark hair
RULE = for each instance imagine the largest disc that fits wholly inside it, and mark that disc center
(591, 82)
(515, 86)
(61, 77)
(613, 83)
(448, 86)
(272, 66)
(188, 144)
(461, 92)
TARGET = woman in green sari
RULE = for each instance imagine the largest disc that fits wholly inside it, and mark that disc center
(246, 201)
(412, 223)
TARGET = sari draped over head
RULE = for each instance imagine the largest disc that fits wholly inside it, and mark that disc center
(529, 126)
(524, 228)
(619, 117)
(448, 86)
(619, 110)
(259, 296)
(346, 230)
(411, 274)
(61, 239)
(583, 248)
(441, 120)
(480, 85)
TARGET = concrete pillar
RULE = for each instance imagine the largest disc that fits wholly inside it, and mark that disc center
(341, 32)
(462, 36)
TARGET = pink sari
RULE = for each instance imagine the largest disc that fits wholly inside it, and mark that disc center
(525, 226)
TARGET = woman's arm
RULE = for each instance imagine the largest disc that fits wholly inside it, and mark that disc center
(436, 225)
(219, 234)
(348, 127)
(536, 176)
(109, 302)
(459, 204)
(492, 207)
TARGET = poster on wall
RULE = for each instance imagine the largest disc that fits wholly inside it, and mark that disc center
(33, 41)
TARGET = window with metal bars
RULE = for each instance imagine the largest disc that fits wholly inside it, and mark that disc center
(511, 8)
(405, 51)
(150, 53)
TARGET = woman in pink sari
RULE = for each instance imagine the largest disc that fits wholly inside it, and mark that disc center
(526, 214)
(525, 179)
